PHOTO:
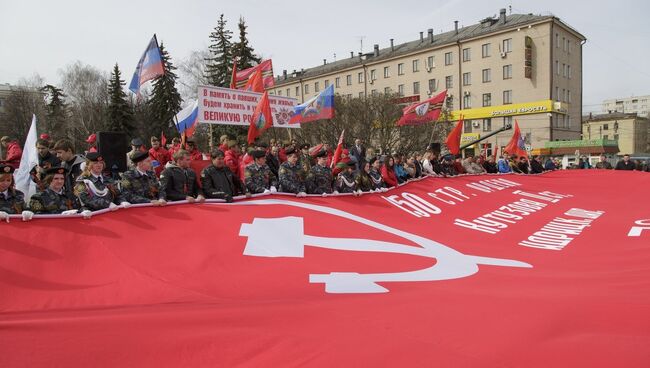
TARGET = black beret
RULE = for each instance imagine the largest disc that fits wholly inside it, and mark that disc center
(258, 153)
(56, 170)
(136, 142)
(305, 146)
(290, 151)
(321, 153)
(139, 156)
(94, 156)
(6, 169)
(352, 163)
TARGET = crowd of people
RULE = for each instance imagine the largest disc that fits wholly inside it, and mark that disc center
(70, 183)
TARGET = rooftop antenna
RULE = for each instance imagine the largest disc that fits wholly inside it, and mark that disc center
(361, 43)
(510, 9)
(335, 57)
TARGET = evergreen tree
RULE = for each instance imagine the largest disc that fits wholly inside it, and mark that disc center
(56, 109)
(219, 66)
(242, 50)
(165, 102)
(120, 115)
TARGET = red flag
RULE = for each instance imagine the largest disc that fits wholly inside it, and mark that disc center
(266, 66)
(233, 78)
(453, 139)
(495, 150)
(423, 112)
(517, 145)
(255, 82)
(163, 139)
(339, 150)
(261, 120)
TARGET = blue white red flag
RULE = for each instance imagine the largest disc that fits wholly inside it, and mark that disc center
(316, 108)
(186, 119)
(149, 67)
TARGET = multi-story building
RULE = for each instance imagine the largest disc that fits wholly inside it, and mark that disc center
(629, 130)
(520, 67)
(639, 105)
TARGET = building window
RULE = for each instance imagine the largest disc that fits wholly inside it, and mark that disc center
(487, 125)
(487, 75)
(615, 137)
(349, 96)
(416, 66)
(432, 85)
(279, 92)
(448, 58)
(400, 69)
(360, 77)
(467, 102)
(449, 82)
(386, 72)
(297, 91)
(557, 67)
(306, 89)
(327, 83)
(568, 96)
(416, 88)
(485, 50)
(374, 92)
(487, 99)
(467, 54)
(507, 71)
(361, 95)
(605, 137)
(467, 126)
(373, 74)
(348, 79)
(568, 46)
(568, 71)
(507, 45)
(564, 70)
(288, 91)
(467, 79)
(400, 90)
(605, 126)
(564, 43)
(317, 87)
(563, 95)
(337, 82)
(449, 101)
(431, 63)
(507, 97)
(557, 94)
(387, 90)
(557, 40)
(507, 120)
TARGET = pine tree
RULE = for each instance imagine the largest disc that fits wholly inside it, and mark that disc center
(242, 50)
(165, 102)
(120, 115)
(219, 66)
(56, 110)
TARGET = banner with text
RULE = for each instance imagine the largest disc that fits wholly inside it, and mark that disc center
(235, 107)
(547, 270)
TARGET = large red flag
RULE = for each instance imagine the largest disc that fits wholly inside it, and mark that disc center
(266, 67)
(261, 120)
(339, 150)
(517, 144)
(510, 270)
(453, 139)
(255, 82)
(233, 77)
(423, 112)
(163, 140)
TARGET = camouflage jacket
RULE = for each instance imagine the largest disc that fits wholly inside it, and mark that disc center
(95, 193)
(13, 202)
(140, 188)
(258, 178)
(377, 180)
(177, 183)
(305, 162)
(319, 180)
(292, 178)
(345, 183)
(51, 202)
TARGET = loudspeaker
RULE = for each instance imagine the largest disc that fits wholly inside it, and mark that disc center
(113, 146)
(435, 147)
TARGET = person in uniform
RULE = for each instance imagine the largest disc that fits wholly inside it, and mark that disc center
(218, 181)
(305, 157)
(54, 199)
(291, 175)
(178, 181)
(136, 146)
(345, 182)
(140, 185)
(257, 176)
(319, 179)
(12, 201)
(94, 190)
(375, 174)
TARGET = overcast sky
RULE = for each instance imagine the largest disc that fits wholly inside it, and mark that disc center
(44, 36)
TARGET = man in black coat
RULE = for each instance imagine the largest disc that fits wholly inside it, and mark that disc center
(625, 164)
(536, 166)
(218, 181)
(178, 180)
(359, 152)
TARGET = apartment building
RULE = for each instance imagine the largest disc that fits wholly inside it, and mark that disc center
(628, 105)
(629, 130)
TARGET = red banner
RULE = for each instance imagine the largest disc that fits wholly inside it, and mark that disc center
(545, 270)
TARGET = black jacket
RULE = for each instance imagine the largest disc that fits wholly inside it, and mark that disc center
(220, 183)
(176, 183)
(536, 167)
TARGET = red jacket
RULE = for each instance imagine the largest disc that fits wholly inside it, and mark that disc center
(389, 176)
(232, 160)
(196, 155)
(14, 153)
(245, 161)
(162, 156)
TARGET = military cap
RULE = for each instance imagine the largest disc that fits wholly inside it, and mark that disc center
(321, 153)
(304, 146)
(352, 163)
(94, 156)
(290, 151)
(56, 170)
(258, 153)
(6, 169)
(136, 142)
(139, 156)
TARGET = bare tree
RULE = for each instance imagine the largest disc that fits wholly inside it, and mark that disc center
(191, 74)
(25, 99)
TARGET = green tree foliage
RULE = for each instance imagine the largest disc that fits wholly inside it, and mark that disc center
(219, 64)
(120, 114)
(165, 100)
(56, 113)
(242, 50)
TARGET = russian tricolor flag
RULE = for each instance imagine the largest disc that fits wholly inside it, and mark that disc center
(186, 119)
(317, 108)
(149, 67)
